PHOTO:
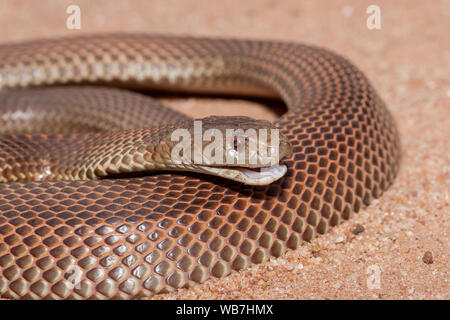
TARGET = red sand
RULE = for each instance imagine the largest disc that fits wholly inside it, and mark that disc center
(406, 233)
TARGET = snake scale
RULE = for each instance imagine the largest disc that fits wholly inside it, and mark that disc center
(135, 236)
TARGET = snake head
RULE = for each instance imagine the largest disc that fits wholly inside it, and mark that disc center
(233, 147)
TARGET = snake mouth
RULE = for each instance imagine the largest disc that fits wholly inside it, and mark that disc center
(250, 176)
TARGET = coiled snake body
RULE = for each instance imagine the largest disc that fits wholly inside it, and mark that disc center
(136, 236)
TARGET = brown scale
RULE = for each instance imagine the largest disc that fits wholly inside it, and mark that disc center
(141, 236)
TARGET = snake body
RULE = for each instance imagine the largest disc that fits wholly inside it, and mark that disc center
(138, 236)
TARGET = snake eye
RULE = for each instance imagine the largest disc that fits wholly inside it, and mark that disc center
(236, 144)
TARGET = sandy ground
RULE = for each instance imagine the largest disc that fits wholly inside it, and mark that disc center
(408, 62)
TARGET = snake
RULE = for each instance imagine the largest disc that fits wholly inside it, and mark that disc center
(91, 207)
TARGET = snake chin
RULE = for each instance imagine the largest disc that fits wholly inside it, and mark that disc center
(253, 176)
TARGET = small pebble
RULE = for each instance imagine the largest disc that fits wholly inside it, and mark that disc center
(358, 229)
(428, 257)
